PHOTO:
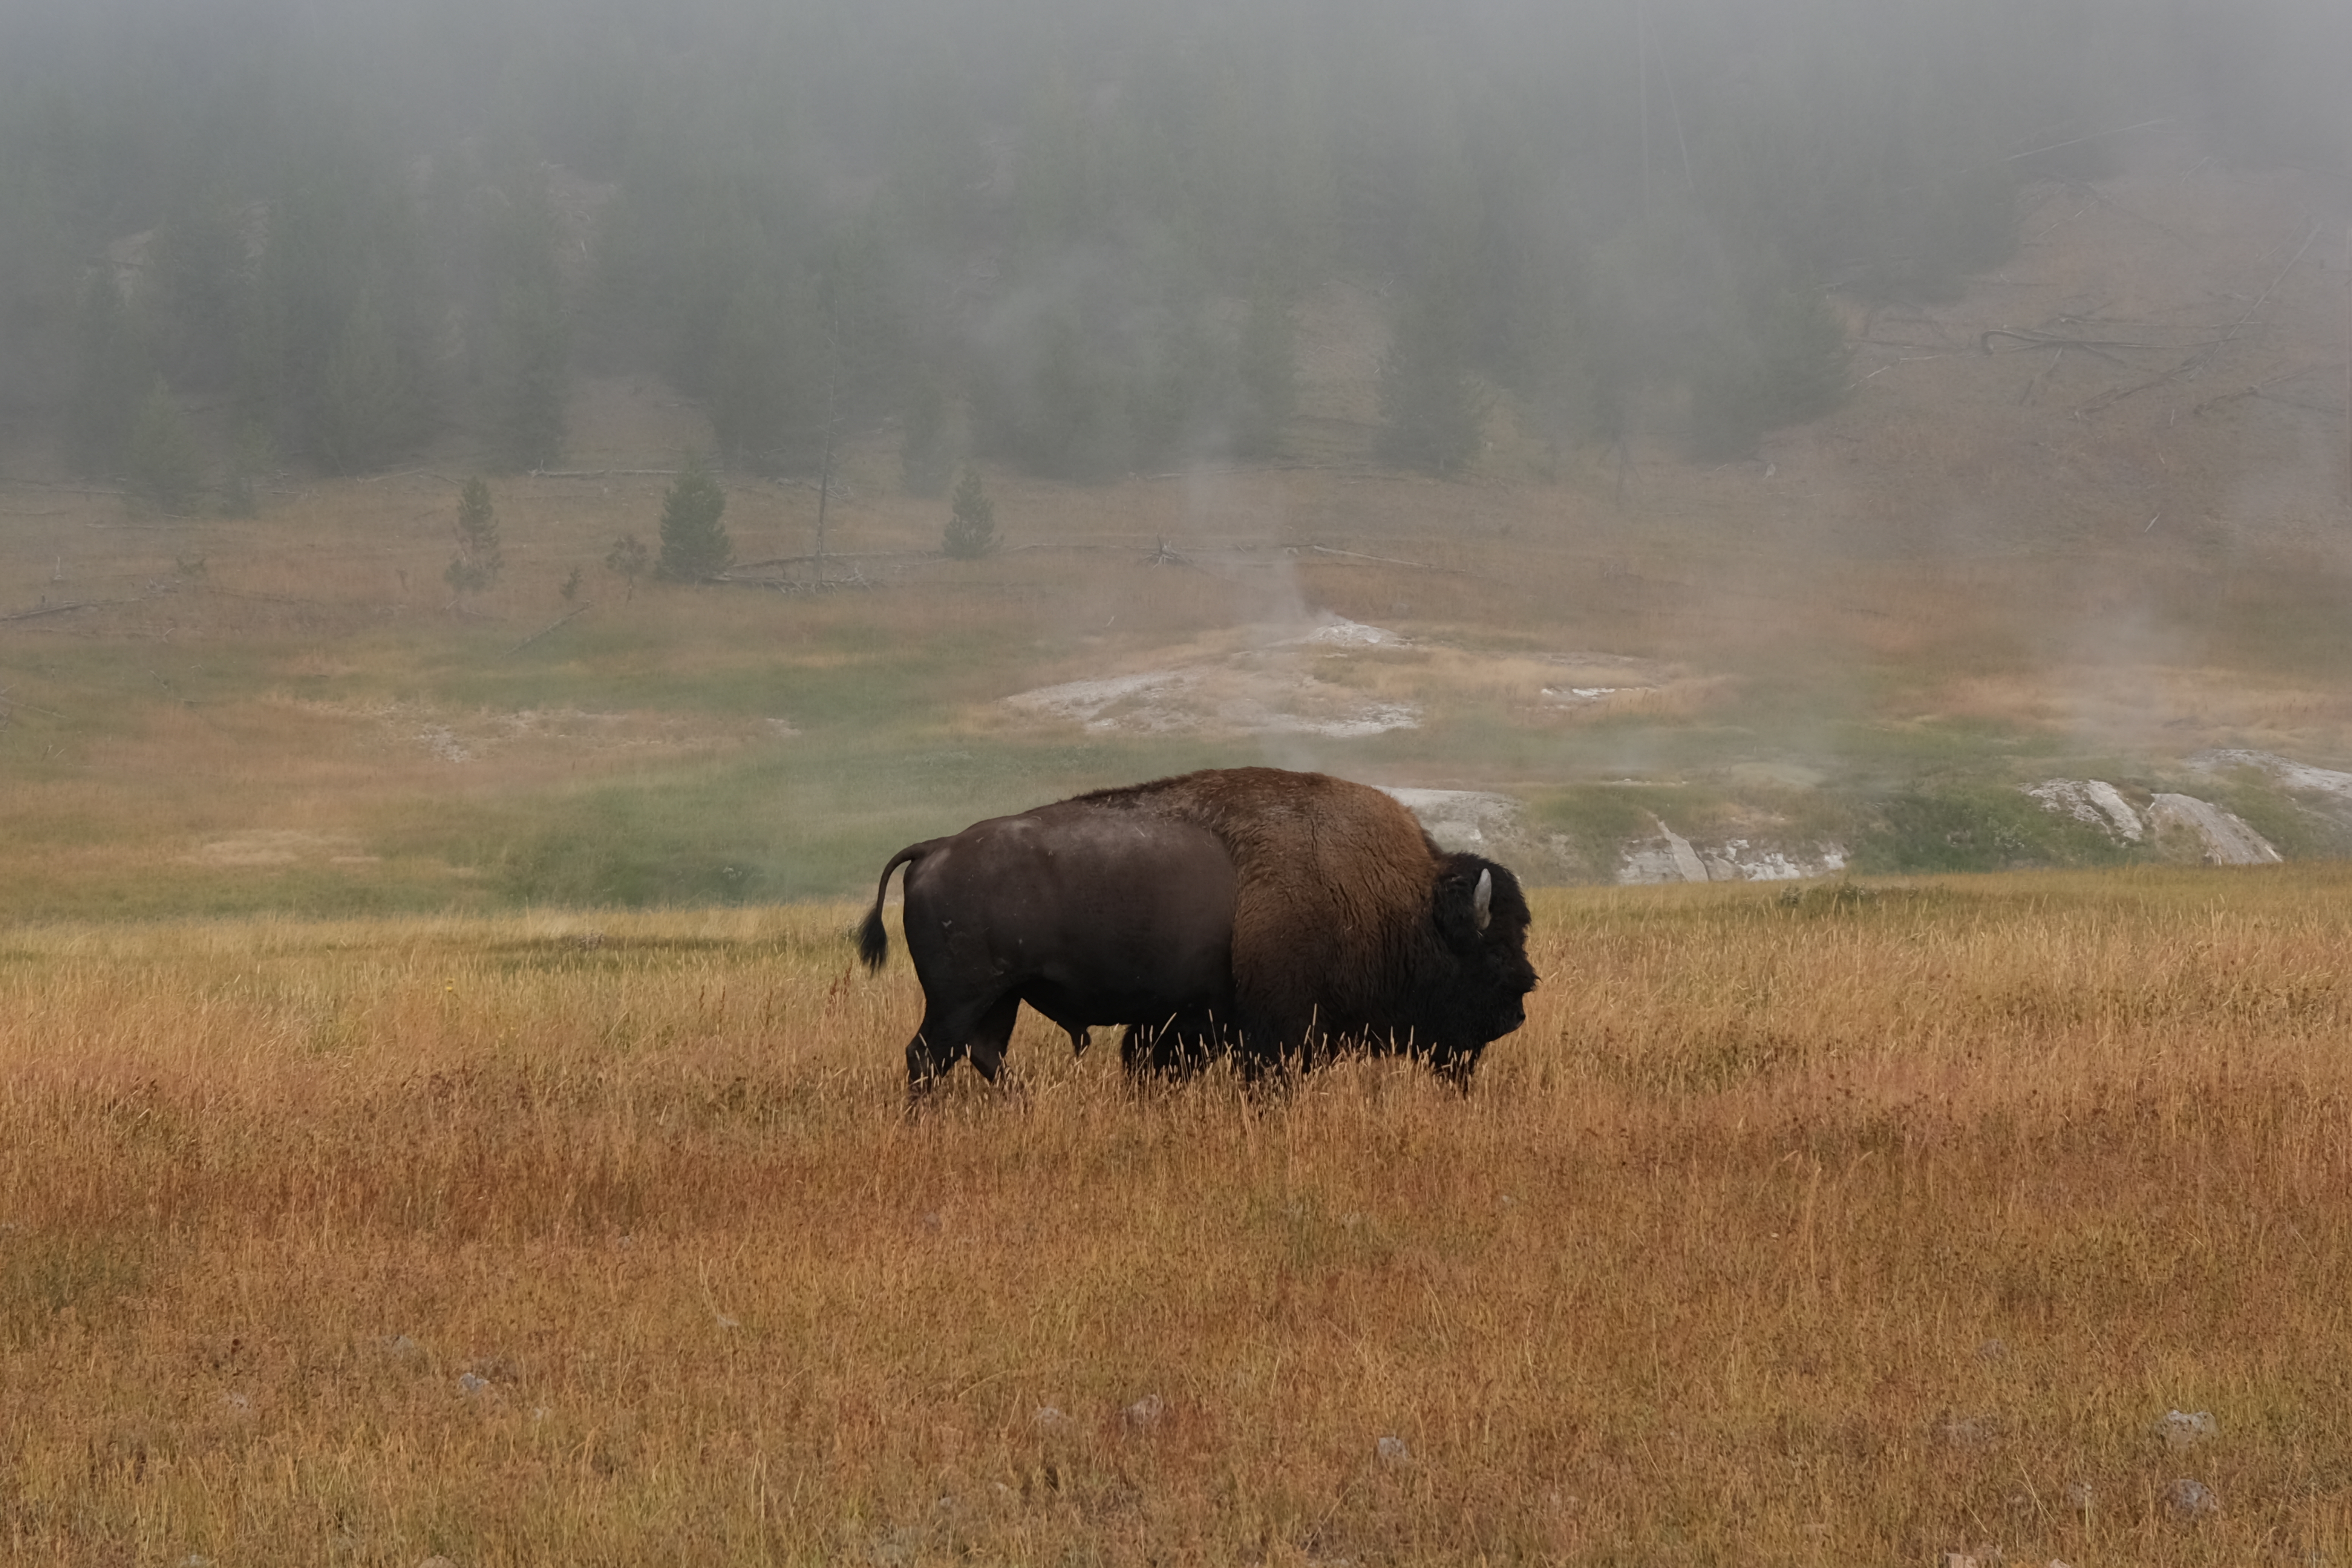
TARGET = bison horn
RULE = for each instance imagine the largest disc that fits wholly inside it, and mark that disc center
(1482, 901)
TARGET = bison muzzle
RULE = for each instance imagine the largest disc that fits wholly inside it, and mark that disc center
(1283, 917)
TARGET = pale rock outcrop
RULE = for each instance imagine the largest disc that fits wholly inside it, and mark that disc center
(2094, 801)
(2227, 840)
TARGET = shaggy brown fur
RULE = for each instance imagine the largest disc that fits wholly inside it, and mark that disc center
(1335, 886)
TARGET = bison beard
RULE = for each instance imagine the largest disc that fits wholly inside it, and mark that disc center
(1286, 917)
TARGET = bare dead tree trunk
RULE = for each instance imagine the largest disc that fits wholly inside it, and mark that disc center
(1642, 89)
(831, 409)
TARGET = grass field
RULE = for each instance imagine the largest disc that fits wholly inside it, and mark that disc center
(1851, 1224)
(439, 1116)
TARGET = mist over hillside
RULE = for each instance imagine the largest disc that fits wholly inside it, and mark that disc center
(1072, 237)
(1665, 439)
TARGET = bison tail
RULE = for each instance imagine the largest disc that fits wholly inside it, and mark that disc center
(873, 940)
(873, 937)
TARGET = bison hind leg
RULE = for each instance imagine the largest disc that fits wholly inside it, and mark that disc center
(981, 1031)
(925, 1064)
(992, 1034)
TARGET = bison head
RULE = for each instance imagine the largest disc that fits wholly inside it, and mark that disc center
(1482, 917)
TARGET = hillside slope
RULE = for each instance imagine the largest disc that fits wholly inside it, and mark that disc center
(2085, 522)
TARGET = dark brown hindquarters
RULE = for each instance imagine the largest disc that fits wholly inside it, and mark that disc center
(873, 936)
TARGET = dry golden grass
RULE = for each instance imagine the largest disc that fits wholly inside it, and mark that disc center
(1854, 1227)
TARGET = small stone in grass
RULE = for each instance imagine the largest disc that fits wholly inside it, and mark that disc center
(2191, 1499)
(1971, 1431)
(2187, 1428)
(1392, 1452)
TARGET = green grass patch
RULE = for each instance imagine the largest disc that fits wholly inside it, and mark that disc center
(797, 821)
(1975, 826)
(112, 891)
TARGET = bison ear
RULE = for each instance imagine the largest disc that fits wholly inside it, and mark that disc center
(1465, 904)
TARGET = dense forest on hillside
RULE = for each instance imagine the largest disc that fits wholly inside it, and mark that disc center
(1070, 235)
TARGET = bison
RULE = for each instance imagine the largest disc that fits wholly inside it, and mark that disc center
(1284, 917)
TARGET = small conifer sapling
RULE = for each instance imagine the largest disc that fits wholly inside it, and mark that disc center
(970, 532)
(694, 543)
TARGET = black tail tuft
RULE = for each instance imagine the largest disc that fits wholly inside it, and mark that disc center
(873, 940)
(873, 937)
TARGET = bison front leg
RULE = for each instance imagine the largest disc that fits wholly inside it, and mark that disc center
(1151, 1052)
(1455, 1065)
(1270, 1052)
(1179, 1047)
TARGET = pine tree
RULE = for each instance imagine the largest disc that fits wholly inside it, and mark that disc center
(1432, 409)
(970, 532)
(479, 561)
(1081, 426)
(1268, 374)
(529, 377)
(864, 328)
(926, 454)
(367, 409)
(110, 379)
(1785, 364)
(167, 467)
(694, 543)
(255, 455)
(201, 290)
(526, 339)
(1183, 391)
(341, 343)
(765, 403)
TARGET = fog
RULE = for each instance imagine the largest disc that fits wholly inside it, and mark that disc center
(1626, 260)
(1089, 221)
